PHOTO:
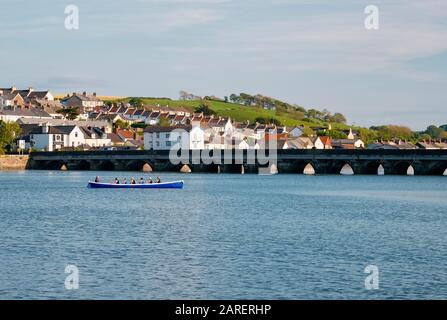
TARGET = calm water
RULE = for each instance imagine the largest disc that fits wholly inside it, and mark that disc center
(223, 237)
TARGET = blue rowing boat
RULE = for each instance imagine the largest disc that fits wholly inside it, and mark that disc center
(162, 185)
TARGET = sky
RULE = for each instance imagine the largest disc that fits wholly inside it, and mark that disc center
(314, 53)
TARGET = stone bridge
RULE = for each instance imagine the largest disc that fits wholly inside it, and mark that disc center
(397, 162)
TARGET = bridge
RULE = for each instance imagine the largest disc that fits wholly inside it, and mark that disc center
(389, 162)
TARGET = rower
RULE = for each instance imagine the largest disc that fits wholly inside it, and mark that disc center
(158, 180)
(117, 181)
(141, 181)
(149, 180)
(97, 179)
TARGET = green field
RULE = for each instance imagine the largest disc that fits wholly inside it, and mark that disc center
(236, 112)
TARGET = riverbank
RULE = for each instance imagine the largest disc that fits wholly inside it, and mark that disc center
(13, 162)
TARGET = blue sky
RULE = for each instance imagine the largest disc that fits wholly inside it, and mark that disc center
(315, 53)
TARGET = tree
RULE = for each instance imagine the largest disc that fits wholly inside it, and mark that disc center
(183, 95)
(136, 102)
(234, 98)
(314, 114)
(392, 131)
(164, 122)
(308, 132)
(335, 134)
(69, 113)
(205, 109)
(121, 124)
(434, 131)
(9, 132)
(338, 118)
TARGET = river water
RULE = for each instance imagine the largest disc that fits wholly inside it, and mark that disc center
(223, 237)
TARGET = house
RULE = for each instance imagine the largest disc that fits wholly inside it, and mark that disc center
(109, 117)
(49, 106)
(396, 144)
(13, 115)
(13, 97)
(86, 103)
(125, 134)
(51, 138)
(106, 127)
(95, 137)
(322, 142)
(189, 137)
(115, 139)
(153, 118)
(348, 144)
(214, 141)
(296, 131)
(300, 143)
(351, 134)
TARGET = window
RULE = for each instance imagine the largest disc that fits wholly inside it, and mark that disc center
(168, 143)
(76, 134)
(157, 135)
(168, 135)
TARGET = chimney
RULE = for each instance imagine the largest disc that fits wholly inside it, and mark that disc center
(84, 94)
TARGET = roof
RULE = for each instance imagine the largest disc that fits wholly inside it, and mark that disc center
(21, 112)
(107, 117)
(62, 122)
(89, 131)
(151, 129)
(114, 138)
(127, 134)
(82, 97)
(38, 94)
(53, 130)
(326, 140)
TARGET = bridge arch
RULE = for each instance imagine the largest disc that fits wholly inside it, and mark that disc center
(375, 168)
(84, 165)
(309, 169)
(106, 165)
(347, 170)
(403, 168)
(340, 167)
(306, 167)
(56, 165)
(439, 169)
(140, 165)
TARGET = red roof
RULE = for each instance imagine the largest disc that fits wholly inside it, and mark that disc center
(128, 134)
(326, 140)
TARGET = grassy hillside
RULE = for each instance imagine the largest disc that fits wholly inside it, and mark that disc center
(236, 112)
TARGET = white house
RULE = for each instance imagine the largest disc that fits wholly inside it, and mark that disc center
(165, 138)
(95, 137)
(53, 138)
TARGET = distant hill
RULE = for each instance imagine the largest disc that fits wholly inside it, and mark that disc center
(289, 116)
